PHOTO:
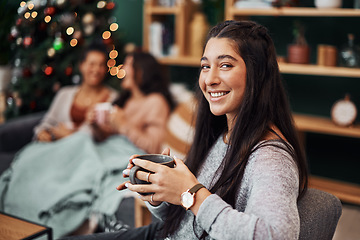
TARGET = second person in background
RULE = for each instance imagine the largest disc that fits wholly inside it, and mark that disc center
(144, 105)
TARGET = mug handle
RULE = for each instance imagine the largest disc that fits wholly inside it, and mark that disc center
(132, 174)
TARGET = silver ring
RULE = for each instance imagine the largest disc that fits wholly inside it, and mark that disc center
(152, 200)
(148, 177)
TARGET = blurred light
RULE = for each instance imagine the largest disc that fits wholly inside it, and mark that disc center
(34, 14)
(69, 30)
(51, 52)
(23, 4)
(101, 4)
(121, 74)
(111, 63)
(49, 70)
(114, 27)
(106, 35)
(30, 5)
(73, 42)
(27, 15)
(47, 19)
(114, 71)
(19, 41)
(113, 54)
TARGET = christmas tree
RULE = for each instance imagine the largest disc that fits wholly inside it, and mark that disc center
(46, 40)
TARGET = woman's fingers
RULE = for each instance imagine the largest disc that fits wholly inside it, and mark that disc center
(166, 151)
(122, 186)
(148, 165)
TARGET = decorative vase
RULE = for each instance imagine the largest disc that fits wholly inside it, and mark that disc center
(299, 54)
(198, 28)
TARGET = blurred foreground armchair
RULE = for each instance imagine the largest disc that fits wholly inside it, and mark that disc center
(15, 134)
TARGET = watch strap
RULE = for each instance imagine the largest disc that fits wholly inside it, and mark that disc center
(196, 188)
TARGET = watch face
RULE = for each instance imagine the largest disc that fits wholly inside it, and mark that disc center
(187, 200)
(344, 112)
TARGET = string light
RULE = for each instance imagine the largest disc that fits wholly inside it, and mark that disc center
(114, 71)
(106, 35)
(69, 30)
(34, 14)
(121, 74)
(111, 63)
(23, 4)
(73, 42)
(113, 54)
(101, 4)
(31, 5)
(27, 15)
(47, 19)
(114, 27)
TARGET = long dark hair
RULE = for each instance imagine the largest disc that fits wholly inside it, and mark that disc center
(148, 77)
(264, 104)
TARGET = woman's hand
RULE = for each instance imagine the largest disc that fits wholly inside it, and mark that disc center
(61, 131)
(44, 136)
(117, 119)
(167, 184)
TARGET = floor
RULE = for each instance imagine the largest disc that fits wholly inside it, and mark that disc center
(349, 224)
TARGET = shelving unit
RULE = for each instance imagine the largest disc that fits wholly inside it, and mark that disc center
(345, 191)
(181, 12)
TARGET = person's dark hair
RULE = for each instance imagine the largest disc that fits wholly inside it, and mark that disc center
(95, 46)
(148, 77)
(264, 104)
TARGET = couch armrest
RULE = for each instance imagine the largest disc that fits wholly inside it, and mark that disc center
(16, 133)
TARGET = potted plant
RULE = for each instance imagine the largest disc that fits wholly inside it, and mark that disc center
(299, 51)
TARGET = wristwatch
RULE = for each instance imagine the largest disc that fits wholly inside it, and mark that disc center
(188, 198)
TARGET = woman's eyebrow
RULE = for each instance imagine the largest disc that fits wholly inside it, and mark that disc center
(227, 56)
(220, 57)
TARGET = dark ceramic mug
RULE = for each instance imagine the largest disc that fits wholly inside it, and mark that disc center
(156, 158)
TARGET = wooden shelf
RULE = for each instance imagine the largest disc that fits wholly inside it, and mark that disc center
(308, 123)
(162, 10)
(305, 69)
(346, 192)
(295, 11)
(288, 68)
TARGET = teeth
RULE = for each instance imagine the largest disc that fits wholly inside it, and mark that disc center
(218, 94)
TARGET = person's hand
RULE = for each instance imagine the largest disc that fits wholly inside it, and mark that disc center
(167, 184)
(61, 131)
(90, 116)
(117, 119)
(44, 136)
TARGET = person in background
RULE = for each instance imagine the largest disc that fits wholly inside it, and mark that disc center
(68, 110)
(142, 110)
(245, 170)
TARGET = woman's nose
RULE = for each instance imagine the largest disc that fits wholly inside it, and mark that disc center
(212, 78)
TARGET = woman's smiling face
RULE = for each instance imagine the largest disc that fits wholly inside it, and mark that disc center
(222, 77)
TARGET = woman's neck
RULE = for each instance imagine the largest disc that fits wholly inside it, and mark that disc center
(91, 89)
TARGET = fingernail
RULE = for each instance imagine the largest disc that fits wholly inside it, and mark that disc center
(126, 185)
(134, 161)
(126, 171)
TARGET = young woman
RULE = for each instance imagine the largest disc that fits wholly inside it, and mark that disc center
(68, 110)
(245, 170)
(144, 105)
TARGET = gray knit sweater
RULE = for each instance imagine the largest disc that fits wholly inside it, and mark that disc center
(266, 206)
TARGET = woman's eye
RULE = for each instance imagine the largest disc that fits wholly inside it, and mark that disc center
(205, 67)
(226, 65)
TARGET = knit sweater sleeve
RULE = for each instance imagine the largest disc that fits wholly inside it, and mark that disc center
(270, 199)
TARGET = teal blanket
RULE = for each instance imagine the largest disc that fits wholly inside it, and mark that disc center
(60, 184)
